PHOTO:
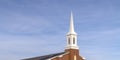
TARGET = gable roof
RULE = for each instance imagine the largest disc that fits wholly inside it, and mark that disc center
(45, 57)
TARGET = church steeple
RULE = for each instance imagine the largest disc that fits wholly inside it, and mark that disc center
(71, 30)
(71, 36)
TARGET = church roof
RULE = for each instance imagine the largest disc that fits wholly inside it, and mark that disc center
(45, 57)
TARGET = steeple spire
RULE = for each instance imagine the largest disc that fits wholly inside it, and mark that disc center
(71, 30)
(71, 36)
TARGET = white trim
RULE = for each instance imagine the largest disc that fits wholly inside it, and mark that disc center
(71, 47)
(83, 58)
(58, 56)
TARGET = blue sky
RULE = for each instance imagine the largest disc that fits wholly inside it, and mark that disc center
(31, 28)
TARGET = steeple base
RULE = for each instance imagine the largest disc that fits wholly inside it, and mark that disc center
(71, 47)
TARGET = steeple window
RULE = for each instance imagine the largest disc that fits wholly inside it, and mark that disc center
(68, 40)
(73, 40)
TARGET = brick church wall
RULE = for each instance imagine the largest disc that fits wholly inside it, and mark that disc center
(72, 53)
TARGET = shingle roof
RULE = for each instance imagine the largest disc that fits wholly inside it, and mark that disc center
(45, 57)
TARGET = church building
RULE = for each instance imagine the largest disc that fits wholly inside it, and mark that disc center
(71, 50)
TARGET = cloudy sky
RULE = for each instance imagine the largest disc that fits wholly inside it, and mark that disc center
(31, 28)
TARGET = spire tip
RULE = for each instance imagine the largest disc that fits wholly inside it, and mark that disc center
(71, 31)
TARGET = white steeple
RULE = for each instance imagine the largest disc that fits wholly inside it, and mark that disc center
(71, 30)
(71, 36)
